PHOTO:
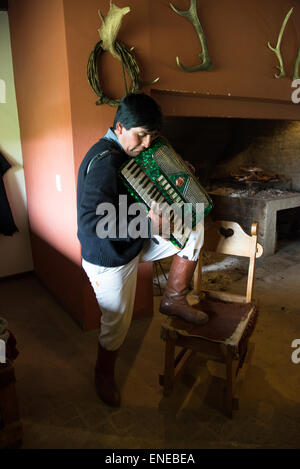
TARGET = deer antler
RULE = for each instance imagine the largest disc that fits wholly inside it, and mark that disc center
(110, 27)
(296, 70)
(191, 15)
(276, 49)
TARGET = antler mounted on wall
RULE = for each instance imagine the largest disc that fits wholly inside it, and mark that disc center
(276, 49)
(108, 42)
(297, 63)
(110, 27)
(192, 16)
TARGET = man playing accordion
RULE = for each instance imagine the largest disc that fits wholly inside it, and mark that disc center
(111, 261)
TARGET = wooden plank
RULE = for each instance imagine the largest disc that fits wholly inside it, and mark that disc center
(225, 296)
(173, 370)
(181, 360)
(168, 380)
(197, 280)
(244, 369)
(252, 262)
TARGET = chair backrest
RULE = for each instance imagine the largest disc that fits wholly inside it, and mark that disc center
(227, 237)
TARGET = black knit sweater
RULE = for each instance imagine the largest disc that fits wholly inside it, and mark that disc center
(102, 184)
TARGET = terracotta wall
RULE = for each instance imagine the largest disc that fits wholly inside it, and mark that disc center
(241, 83)
(43, 95)
(41, 76)
(59, 121)
(89, 121)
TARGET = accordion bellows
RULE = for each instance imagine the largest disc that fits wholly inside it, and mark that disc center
(160, 174)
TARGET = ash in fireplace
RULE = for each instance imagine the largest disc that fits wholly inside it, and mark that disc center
(257, 193)
(250, 182)
(273, 193)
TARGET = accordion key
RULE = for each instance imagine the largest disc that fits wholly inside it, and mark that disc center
(159, 174)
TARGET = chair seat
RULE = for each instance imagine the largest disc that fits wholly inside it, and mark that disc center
(229, 324)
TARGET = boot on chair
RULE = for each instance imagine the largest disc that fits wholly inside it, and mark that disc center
(105, 377)
(174, 301)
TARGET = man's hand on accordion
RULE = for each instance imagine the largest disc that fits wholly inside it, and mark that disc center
(161, 224)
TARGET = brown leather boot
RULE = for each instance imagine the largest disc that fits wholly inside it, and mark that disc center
(105, 377)
(174, 301)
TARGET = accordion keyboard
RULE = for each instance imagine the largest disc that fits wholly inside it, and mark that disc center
(145, 187)
(148, 192)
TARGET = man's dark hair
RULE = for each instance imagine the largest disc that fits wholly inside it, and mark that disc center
(139, 110)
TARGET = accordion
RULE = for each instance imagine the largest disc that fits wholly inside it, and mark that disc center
(159, 174)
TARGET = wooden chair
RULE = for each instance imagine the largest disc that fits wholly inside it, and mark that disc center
(223, 341)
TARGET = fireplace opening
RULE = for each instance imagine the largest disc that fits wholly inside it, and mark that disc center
(288, 224)
(250, 168)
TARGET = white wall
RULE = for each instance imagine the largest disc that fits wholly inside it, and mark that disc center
(15, 251)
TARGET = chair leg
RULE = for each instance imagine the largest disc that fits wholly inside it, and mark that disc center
(169, 366)
(229, 383)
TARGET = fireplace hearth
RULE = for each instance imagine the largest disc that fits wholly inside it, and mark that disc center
(251, 194)
(245, 205)
(252, 180)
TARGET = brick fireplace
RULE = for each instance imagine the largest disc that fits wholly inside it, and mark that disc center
(250, 167)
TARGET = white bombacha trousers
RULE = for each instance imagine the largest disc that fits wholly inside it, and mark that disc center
(115, 287)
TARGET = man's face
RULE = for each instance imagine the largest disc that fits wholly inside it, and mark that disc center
(134, 140)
